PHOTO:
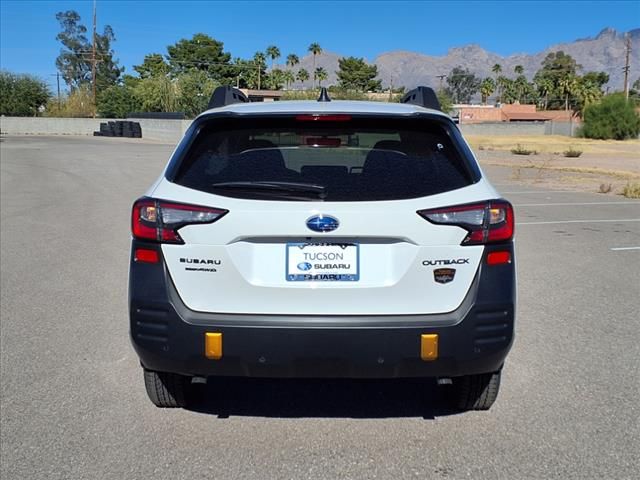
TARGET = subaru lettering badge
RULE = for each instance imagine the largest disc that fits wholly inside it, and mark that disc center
(322, 223)
(304, 266)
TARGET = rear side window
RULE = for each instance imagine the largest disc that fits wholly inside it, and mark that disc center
(341, 159)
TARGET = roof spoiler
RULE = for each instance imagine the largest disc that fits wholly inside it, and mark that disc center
(223, 96)
(423, 97)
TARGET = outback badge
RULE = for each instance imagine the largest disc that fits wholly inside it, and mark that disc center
(444, 275)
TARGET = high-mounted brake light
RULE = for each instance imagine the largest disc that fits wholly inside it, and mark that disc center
(159, 221)
(486, 222)
(323, 118)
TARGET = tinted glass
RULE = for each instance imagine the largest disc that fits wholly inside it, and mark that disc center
(353, 159)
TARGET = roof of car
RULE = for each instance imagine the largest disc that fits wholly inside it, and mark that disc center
(335, 106)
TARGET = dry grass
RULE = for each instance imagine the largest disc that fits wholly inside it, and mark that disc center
(555, 143)
(589, 170)
(631, 190)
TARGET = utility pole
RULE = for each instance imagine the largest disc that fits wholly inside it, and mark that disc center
(93, 61)
(626, 66)
(58, 80)
(441, 77)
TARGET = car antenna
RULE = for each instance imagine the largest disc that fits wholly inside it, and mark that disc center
(324, 96)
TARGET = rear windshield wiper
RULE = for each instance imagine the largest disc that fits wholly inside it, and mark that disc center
(274, 186)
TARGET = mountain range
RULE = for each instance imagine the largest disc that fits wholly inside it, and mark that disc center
(605, 52)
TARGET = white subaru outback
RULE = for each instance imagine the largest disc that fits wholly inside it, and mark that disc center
(322, 239)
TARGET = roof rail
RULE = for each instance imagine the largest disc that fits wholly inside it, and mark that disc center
(423, 97)
(223, 96)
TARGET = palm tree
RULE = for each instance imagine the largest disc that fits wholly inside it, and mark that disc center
(497, 70)
(315, 49)
(288, 78)
(292, 60)
(276, 78)
(545, 86)
(519, 69)
(259, 59)
(486, 89)
(320, 74)
(273, 52)
(302, 76)
(567, 86)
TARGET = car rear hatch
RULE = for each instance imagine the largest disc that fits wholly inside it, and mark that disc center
(341, 215)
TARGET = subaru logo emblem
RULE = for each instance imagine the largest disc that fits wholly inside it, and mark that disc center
(322, 223)
(304, 266)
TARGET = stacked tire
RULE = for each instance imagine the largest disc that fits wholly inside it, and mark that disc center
(119, 129)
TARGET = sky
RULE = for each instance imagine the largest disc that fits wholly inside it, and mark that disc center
(359, 28)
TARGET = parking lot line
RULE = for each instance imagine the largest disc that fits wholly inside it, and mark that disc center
(557, 222)
(572, 204)
(539, 191)
(618, 249)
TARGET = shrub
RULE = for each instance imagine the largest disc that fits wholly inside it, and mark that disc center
(520, 150)
(571, 153)
(613, 118)
(605, 188)
(631, 190)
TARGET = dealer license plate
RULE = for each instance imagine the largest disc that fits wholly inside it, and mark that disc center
(324, 262)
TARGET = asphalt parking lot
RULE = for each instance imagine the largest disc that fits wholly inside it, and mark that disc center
(73, 404)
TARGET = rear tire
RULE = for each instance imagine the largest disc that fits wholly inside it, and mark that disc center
(167, 390)
(476, 392)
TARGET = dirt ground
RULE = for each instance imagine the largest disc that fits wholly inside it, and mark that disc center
(604, 166)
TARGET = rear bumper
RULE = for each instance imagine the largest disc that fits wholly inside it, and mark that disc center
(473, 339)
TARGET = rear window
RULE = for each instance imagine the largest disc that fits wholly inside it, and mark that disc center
(342, 159)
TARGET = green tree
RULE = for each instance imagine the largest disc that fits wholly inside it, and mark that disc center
(566, 87)
(355, 74)
(203, 53)
(117, 101)
(521, 86)
(289, 78)
(315, 49)
(193, 91)
(508, 90)
(320, 74)
(157, 94)
(260, 62)
(153, 65)
(612, 118)
(446, 104)
(75, 59)
(22, 95)
(292, 60)
(276, 79)
(557, 69)
(518, 69)
(487, 87)
(588, 90)
(273, 52)
(462, 85)
(302, 76)
(544, 87)
(497, 70)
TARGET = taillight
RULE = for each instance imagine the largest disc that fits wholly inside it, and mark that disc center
(486, 222)
(159, 221)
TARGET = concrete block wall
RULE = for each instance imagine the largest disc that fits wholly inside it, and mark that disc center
(169, 131)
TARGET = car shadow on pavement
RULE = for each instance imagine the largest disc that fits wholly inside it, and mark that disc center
(299, 398)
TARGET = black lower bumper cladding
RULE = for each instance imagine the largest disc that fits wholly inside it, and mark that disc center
(475, 338)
